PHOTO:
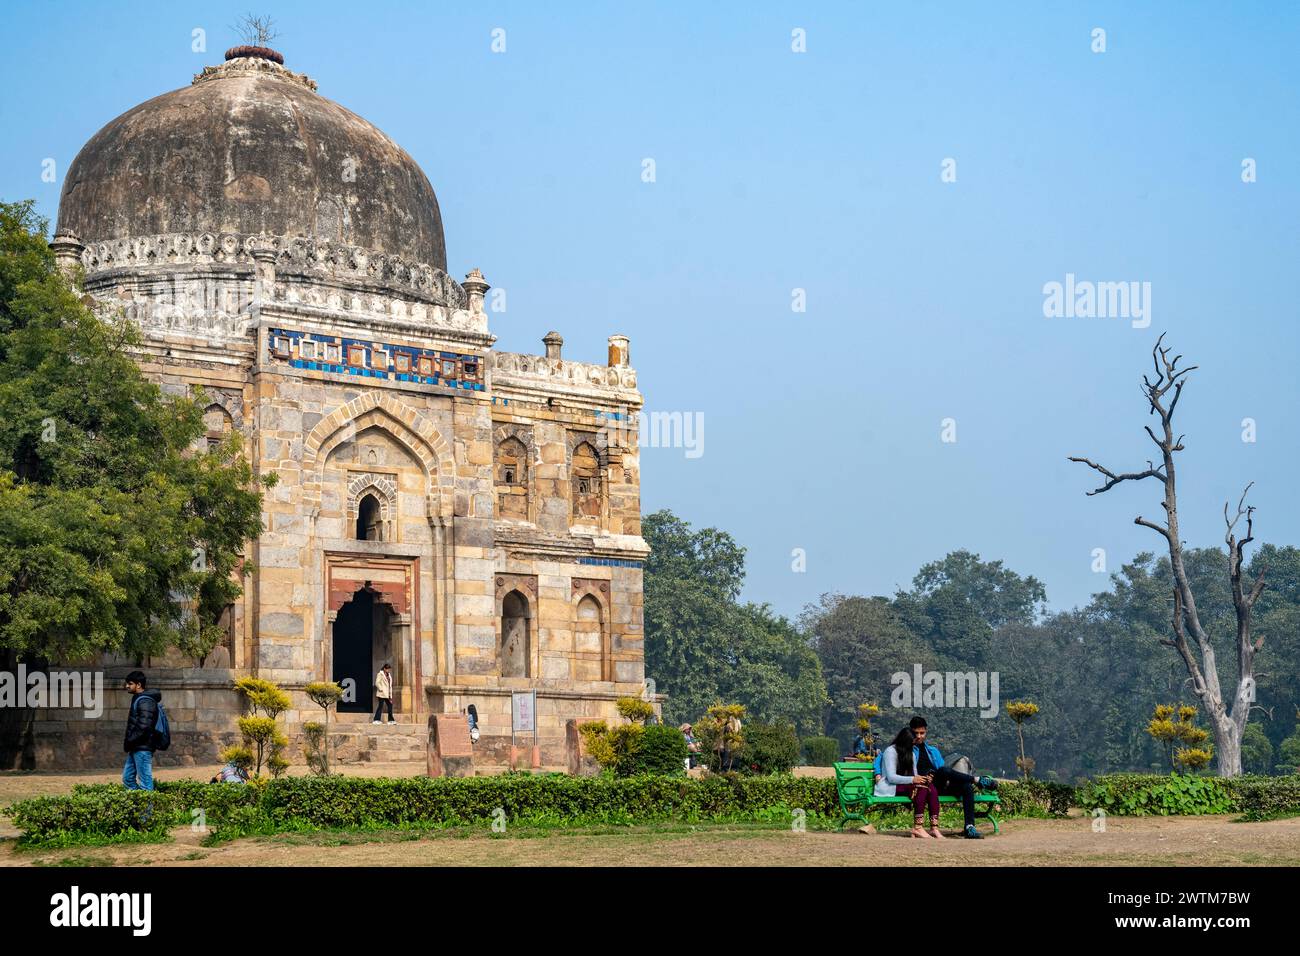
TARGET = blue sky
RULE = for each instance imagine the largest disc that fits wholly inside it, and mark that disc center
(821, 170)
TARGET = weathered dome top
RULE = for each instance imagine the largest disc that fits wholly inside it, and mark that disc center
(251, 148)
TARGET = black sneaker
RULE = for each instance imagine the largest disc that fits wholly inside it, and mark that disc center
(987, 783)
(972, 834)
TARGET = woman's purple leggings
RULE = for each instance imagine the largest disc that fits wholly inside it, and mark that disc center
(922, 797)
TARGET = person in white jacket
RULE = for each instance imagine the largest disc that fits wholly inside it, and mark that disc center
(384, 692)
(896, 779)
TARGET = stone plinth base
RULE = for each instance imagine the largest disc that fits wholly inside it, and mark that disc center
(450, 753)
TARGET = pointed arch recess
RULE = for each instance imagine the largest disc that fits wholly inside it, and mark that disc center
(413, 431)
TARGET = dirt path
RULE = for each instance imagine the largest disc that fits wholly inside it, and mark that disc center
(1179, 841)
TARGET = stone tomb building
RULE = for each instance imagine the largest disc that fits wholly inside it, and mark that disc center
(468, 514)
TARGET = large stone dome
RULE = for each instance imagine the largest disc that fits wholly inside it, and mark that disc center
(251, 148)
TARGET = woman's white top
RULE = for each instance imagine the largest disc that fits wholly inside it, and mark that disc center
(887, 783)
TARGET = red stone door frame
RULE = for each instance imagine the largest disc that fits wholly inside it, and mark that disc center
(393, 581)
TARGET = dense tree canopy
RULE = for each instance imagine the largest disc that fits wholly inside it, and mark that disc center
(1096, 672)
(118, 530)
(702, 646)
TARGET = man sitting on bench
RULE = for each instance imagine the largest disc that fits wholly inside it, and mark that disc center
(948, 781)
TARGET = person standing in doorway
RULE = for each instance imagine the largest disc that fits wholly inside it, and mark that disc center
(384, 692)
(137, 772)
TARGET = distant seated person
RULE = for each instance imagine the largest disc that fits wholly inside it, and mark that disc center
(861, 746)
(230, 774)
(692, 745)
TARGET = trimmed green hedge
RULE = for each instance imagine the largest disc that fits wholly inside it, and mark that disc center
(1266, 798)
(541, 798)
(1035, 798)
(103, 813)
(1132, 794)
(106, 812)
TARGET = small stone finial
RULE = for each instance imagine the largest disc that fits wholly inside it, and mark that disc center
(67, 248)
(476, 286)
(553, 342)
(620, 352)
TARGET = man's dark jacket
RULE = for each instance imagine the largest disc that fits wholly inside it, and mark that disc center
(140, 722)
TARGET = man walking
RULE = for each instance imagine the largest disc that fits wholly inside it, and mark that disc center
(384, 692)
(137, 772)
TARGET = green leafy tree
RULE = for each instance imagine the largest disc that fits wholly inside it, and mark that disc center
(1288, 754)
(116, 534)
(860, 642)
(1256, 750)
(994, 593)
(702, 645)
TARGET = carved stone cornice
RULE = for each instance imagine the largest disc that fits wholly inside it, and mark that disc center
(309, 258)
(571, 378)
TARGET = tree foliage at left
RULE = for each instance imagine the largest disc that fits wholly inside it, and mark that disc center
(120, 530)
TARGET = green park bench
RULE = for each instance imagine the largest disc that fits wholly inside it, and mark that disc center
(855, 784)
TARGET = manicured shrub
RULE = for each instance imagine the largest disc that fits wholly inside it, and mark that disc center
(324, 694)
(769, 748)
(634, 709)
(261, 734)
(721, 731)
(1035, 798)
(821, 751)
(618, 748)
(662, 750)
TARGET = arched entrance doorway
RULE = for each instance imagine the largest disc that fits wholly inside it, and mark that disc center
(362, 643)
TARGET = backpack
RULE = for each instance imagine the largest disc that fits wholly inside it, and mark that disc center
(162, 731)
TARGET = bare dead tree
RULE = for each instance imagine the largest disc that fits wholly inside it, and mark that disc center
(256, 31)
(1190, 640)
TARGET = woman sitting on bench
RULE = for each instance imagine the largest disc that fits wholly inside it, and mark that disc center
(897, 780)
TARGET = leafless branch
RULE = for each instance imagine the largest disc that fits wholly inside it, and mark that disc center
(256, 31)
(1152, 525)
(1114, 479)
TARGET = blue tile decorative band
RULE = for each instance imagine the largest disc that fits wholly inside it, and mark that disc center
(366, 359)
